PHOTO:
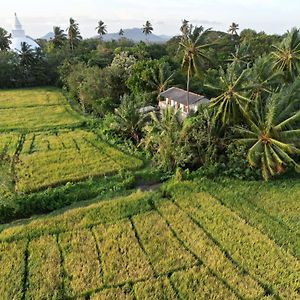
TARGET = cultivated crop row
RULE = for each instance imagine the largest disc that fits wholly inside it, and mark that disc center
(247, 246)
(49, 159)
(116, 248)
(199, 242)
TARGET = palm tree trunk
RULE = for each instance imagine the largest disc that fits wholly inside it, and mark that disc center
(188, 87)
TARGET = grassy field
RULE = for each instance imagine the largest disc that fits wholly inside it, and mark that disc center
(178, 243)
(40, 135)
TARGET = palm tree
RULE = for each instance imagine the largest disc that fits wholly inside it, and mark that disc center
(4, 40)
(262, 79)
(147, 29)
(272, 132)
(161, 79)
(128, 119)
(121, 32)
(59, 37)
(184, 27)
(73, 33)
(194, 56)
(26, 55)
(101, 29)
(287, 55)
(241, 55)
(232, 96)
(233, 28)
(162, 139)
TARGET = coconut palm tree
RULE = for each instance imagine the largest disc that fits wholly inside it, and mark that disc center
(4, 40)
(128, 119)
(59, 37)
(73, 33)
(147, 29)
(162, 139)
(101, 29)
(287, 55)
(26, 55)
(232, 94)
(272, 132)
(233, 28)
(121, 32)
(184, 27)
(161, 79)
(241, 55)
(262, 79)
(194, 49)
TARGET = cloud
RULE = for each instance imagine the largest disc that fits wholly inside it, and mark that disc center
(206, 22)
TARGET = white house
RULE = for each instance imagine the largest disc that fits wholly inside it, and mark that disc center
(178, 99)
(19, 36)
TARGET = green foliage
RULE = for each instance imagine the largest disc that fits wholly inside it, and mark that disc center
(163, 138)
(73, 34)
(4, 40)
(128, 120)
(231, 94)
(287, 55)
(271, 134)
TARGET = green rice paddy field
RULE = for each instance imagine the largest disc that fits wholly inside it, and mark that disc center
(45, 143)
(197, 239)
(179, 243)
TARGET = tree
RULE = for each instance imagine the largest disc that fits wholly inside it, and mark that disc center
(73, 34)
(161, 78)
(147, 29)
(272, 132)
(101, 29)
(232, 96)
(203, 138)
(59, 37)
(121, 32)
(233, 28)
(4, 40)
(163, 140)
(194, 53)
(184, 27)
(287, 55)
(128, 119)
(262, 80)
(26, 55)
(9, 69)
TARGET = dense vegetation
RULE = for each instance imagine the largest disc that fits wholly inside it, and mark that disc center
(212, 245)
(252, 79)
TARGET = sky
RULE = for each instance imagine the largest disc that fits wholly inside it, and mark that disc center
(39, 16)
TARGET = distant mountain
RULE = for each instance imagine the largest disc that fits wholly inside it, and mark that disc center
(136, 35)
(48, 36)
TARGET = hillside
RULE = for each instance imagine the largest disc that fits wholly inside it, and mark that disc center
(136, 35)
(189, 245)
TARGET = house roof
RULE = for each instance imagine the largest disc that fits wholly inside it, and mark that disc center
(180, 96)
